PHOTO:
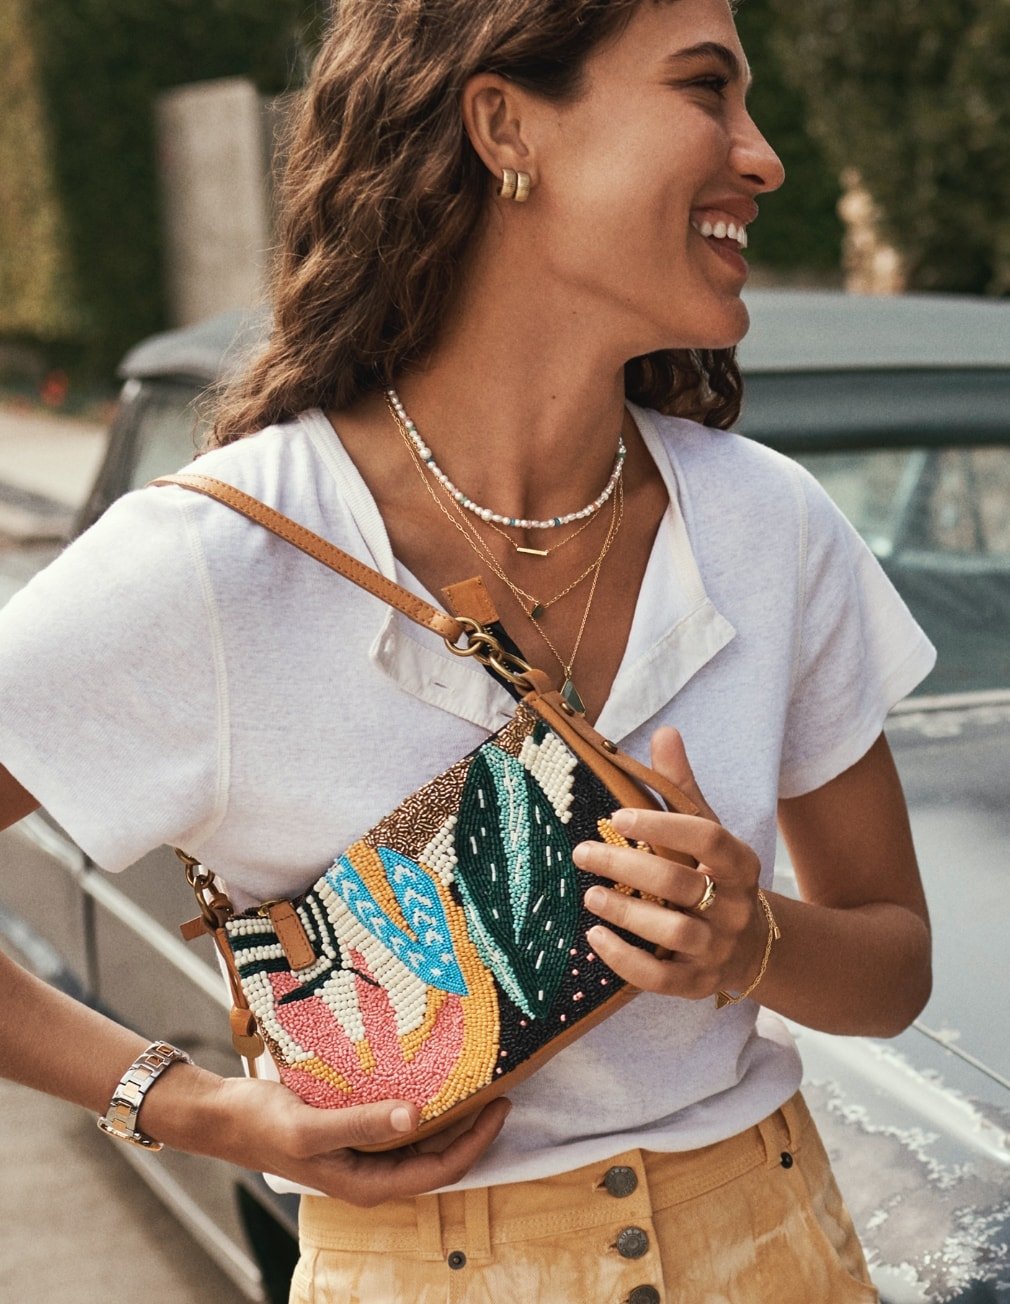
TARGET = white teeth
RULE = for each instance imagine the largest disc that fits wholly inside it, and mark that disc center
(723, 231)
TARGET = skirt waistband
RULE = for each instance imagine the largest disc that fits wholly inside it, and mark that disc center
(582, 1198)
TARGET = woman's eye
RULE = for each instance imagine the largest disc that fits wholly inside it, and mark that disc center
(714, 83)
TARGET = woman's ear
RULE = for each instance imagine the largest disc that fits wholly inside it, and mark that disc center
(496, 116)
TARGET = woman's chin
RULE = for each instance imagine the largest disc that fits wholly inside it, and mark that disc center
(724, 333)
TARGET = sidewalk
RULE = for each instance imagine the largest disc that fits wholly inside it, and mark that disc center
(50, 455)
(47, 465)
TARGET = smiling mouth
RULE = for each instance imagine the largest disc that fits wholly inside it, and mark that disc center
(733, 234)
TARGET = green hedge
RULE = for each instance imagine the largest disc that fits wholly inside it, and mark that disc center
(799, 230)
(37, 295)
(101, 65)
(915, 96)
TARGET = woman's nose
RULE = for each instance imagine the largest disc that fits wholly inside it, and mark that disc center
(755, 159)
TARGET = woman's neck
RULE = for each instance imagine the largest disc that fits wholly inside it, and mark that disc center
(521, 407)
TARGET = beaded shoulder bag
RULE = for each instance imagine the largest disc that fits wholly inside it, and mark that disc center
(442, 957)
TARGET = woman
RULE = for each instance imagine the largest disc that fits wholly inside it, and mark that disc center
(524, 221)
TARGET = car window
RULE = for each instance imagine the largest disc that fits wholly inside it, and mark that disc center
(169, 429)
(938, 520)
(965, 506)
(870, 486)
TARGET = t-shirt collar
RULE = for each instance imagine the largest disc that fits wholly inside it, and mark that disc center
(676, 628)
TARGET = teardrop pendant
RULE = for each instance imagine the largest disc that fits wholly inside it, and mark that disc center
(571, 695)
(537, 610)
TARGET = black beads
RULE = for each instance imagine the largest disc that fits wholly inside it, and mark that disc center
(620, 1181)
(632, 1243)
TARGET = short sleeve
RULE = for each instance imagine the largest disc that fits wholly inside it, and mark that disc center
(112, 702)
(858, 650)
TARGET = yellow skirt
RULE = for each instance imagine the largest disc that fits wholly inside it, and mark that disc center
(756, 1219)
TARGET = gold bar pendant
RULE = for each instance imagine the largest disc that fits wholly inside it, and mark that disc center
(533, 552)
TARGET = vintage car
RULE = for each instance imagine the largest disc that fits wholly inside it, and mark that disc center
(902, 408)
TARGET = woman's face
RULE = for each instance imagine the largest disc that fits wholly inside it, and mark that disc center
(659, 150)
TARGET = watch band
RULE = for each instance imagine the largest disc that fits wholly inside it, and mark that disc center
(120, 1120)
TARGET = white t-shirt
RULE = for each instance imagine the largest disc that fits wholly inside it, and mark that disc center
(179, 675)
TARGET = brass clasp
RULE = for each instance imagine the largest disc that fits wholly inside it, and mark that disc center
(483, 645)
(214, 905)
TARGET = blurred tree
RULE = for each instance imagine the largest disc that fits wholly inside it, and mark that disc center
(37, 298)
(913, 95)
(799, 231)
(99, 66)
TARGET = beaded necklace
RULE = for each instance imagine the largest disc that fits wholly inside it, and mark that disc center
(485, 513)
(541, 552)
(529, 606)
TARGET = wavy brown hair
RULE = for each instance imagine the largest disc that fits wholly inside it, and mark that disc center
(383, 193)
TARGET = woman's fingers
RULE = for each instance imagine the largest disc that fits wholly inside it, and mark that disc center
(669, 757)
(264, 1126)
(366, 1179)
(718, 853)
(671, 929)
(321, 1131)
(672, 882)
(674, 977)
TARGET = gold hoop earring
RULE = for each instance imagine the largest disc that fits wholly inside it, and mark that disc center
(522, 187)
(509, 183)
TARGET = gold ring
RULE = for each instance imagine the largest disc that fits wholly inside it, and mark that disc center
(707, 898)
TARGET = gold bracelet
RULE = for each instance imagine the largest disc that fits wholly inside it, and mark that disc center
(774, 933)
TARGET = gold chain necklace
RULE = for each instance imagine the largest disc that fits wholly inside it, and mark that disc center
(568, 690)
(540, 552)
(531, 605)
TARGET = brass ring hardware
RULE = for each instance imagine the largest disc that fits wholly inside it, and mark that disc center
(477, 636)
(483, 645)
(215, 907)
(511, 668)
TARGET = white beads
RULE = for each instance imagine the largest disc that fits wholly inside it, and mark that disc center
(440, 854)
(485, 513)
(552, 764)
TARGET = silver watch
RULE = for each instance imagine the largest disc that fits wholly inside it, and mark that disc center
(120, 1119)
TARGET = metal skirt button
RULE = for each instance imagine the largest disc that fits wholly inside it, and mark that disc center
(644, 1295)
(620, 1181)
(632, 1243)
(457, 1259)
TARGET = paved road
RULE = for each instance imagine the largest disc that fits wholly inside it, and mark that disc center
(78, 1226)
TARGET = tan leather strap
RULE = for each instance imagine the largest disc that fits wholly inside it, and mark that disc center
(471, 598)
(601, 755)
(421, 612)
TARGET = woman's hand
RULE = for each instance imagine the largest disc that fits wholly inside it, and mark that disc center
(53, 1043)
(719, 949)
(264, 1126)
